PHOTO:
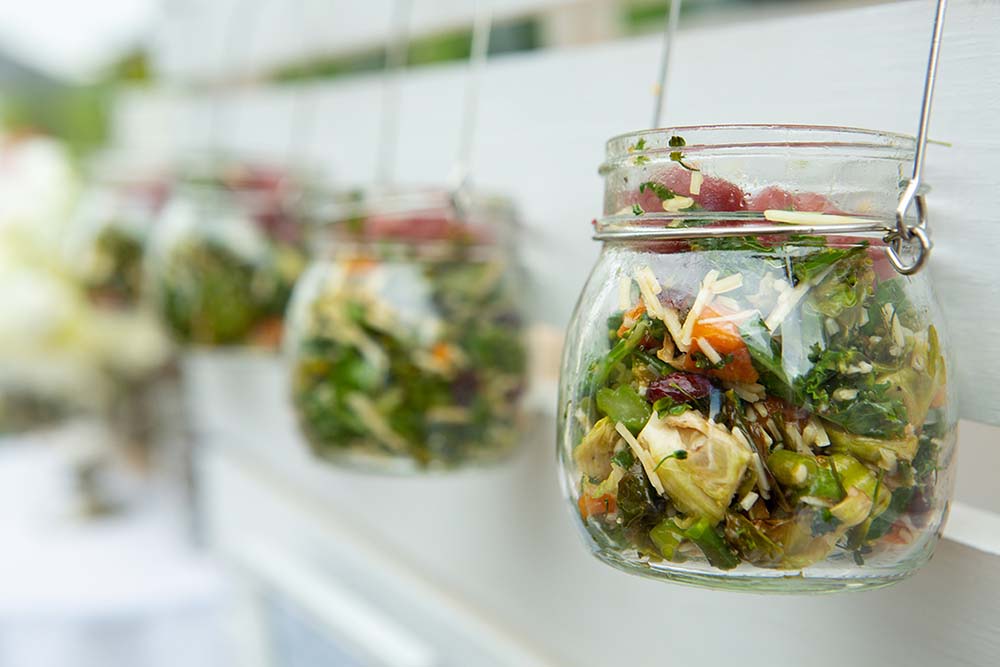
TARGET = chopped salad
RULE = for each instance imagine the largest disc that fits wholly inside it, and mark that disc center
(408, 348)
(226, 265)
(772, 402)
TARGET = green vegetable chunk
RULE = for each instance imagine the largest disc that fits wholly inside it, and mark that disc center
(712, 543)
(624, 405)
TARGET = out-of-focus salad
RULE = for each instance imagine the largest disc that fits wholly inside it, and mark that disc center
(774, 401)
(226, 262)
(407, 347)
(108, 239)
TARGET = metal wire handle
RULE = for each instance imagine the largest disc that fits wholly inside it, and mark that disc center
(479, 51)
(669, 33)
(912, 196)
(397, 43)
(239, 23)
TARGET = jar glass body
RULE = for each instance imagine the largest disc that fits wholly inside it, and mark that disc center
(766, 412)
(223, 263)
(405, 340)
(108, 239)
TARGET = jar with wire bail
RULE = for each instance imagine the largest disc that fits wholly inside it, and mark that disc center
(226, 252)
(406, 334)
(752, 396)
(108, 238)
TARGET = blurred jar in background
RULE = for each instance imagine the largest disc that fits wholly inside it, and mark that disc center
(227, 250)
(405, 334)
(114, 220)
(106, 247)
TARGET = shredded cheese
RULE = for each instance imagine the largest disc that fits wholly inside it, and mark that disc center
(376, 423)
(789, 299)
(673, 322)
(644, 458)
(762, 483)
(738, 434)
(796, 438)
(845, 394)
(677, 203)
(749, 392)
(860, 368)
(741, 315)
(726, 303)
(704, 296)
(709, 351)
(649, 289)
(748, 500)
(625, 293)
(822, 438)
(696, 180)
(728, 284)
(811, 218)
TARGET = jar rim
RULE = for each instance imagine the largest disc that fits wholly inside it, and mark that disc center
(705, 139)
(332, 207)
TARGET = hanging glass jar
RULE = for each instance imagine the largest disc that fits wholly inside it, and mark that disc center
(109, 235)
(226, 253)
(751, 396)
(405, 338)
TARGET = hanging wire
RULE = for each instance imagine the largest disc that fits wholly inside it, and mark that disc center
(912, 196)
(397, 43)
(303, 115)
(235, 29)
(669, 33)
(478, 54)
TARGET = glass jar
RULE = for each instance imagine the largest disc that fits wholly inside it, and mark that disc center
(751, 396)
(224, 259)
(108, 238)
(405, 338)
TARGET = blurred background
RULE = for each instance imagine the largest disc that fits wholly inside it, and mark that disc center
(125, 539)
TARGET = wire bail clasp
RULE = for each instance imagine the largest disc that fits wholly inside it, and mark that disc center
(912, 196)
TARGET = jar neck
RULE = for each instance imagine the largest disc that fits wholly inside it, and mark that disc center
(690, 177)
(418, 223)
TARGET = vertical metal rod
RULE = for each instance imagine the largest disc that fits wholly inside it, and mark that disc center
(478, 53)
(925, 109)
(238, 25)
(911, 195)
(397, 43)
(303, 114)
(669, 33)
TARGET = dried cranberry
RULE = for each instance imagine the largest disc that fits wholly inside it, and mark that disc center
(679, 387)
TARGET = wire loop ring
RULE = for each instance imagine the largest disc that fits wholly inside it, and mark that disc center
(895, 246)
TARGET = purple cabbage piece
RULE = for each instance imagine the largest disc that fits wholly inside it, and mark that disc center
(679, 387)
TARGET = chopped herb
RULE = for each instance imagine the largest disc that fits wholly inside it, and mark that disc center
(661, 191)
(624, 458)
(680, 455)
(637, 210)
(702, 362)
(678, 157)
